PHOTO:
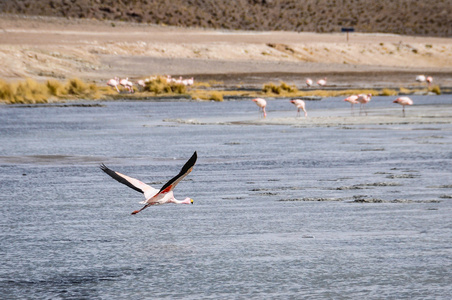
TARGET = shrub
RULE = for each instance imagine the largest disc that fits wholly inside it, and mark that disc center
(161, 86)
(6, 92)
(435, 89)
(216, 96)
(388, 92)
(76, 87)
(272, 88)
(55, 88)
(29, 91)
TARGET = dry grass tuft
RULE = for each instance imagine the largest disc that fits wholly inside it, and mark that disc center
(435, 89)
(160, 86)
(55, 88)
(207, 95)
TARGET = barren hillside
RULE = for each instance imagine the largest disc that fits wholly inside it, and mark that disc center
(411, 17)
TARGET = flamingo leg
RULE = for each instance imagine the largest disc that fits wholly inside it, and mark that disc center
(144, 207)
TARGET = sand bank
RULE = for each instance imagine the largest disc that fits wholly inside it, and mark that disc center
(43, 48)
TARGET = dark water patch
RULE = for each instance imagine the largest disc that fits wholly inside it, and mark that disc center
(445, 196)
(59, 105)
(400, 176)
(311, 199)
(445, 186)
(367, 199)
(373, 149)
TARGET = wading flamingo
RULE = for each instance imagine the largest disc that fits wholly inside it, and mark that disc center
(126, 83)
(353, 99)
(363, 100)
(309, 82)
(129, 86)
(114, 83)
(141, 84)
(403, 101)
(154, 196)
(300, 106)
(420, 78)
(321, 82)
(262, 104)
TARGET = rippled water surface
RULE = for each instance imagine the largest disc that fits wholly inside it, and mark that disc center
(280, 212)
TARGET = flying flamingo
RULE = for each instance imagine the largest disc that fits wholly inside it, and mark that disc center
(262, 104)
(353, 99)
(363, 100)
(300, 106)
(403, 101)
(321, 82)
(154, 196)
(114, 83)
(309, 82)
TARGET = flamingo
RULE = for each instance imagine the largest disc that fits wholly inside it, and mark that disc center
(113, 83)
(262, 104)
(429, 80)
(420, 78)
(363, 100)
(309, 82)
(129, 86)
(154, 196)
(353, 99)
(141, 84)
(321, 82)
(126, 83)
(403, 101)
(300, 106)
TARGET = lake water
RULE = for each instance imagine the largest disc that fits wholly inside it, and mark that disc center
(280, 212)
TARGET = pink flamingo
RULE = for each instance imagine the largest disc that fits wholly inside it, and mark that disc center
(353, 99)
(141, 84)
(309, 82)
(300, 106)
(429, 80)
(114, 83)
(321, 82)
(403, 101)
(420, 78)
(127, 84)
(154, 196)
(363, 100)
(262, 104)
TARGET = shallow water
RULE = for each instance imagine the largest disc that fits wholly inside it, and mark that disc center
(280, 211)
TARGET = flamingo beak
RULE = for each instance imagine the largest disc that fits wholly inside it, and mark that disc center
(191, 201)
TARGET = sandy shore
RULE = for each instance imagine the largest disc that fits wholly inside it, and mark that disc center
(43, 48)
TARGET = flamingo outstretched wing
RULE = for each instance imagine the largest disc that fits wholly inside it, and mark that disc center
(186, 169)
(129, 181)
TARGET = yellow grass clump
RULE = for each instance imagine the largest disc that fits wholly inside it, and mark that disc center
(435, 89)
(207, 95)
(79, 89)
(28, 91)
(160, 86)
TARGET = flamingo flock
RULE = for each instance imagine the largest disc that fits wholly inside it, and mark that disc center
(141, 83)
(361, 99)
